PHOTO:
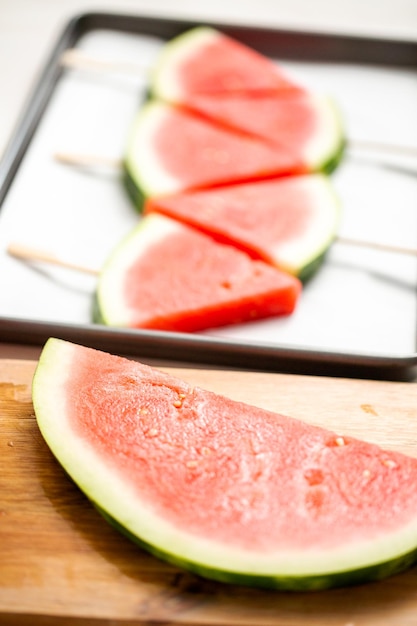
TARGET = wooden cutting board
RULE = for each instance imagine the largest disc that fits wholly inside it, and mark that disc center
(62, 564)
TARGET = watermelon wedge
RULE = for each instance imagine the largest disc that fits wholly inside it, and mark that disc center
(226, 490)
(166, 275)
(287, 222)
(308, 125)
(205, 60)
(171, 150)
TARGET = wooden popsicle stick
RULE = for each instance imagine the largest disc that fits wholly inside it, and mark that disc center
(74, 58)
(27, 253)
(384, 247)
(387, 148)
(88, 160)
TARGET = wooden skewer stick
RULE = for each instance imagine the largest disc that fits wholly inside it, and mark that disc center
(377, 246)
(31, 254)
(78, 59)
(88, 160)
(388, 148)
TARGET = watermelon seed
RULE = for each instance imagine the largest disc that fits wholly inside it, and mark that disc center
(205, 451)
(191, 464)
(315, 498)
(314, 476)
(152, 432)
(178, 403)
(338, 442)
(366, 473)
(389, 463)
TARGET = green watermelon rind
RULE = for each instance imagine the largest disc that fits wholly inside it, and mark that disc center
(320, 582)
(96, 314)
(142, 174)
(312, 267)
(308, 266)
(134, 191)
(328, 159)
(333, 161)
(294, 570)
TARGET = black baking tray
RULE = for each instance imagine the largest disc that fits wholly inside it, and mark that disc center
(196, 348)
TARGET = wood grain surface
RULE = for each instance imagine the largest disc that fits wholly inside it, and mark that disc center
(61, 563)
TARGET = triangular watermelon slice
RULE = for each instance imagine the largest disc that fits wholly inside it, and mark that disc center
(306, 124)
(206, 61)
(168, 276)
(288, 222)
(171, 150)
(227, 490)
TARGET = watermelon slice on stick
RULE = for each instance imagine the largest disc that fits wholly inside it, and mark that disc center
(204, 60)
(171, 150)
(288, 222)
(227, 490)
(168, 276)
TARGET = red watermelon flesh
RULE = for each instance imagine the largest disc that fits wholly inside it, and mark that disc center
(228, 490)
(233, 460)
(173, 150)
(303, 123)
(277, 118)
(205, 61)
(169, 276)
(287, 222)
